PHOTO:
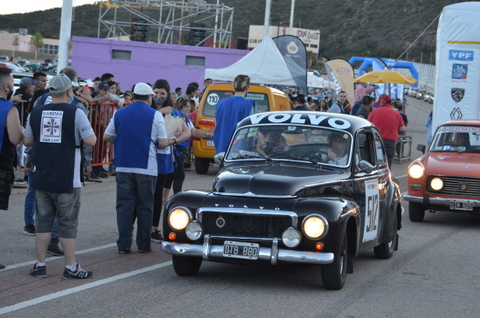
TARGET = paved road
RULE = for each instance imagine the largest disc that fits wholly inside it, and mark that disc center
(432, 275)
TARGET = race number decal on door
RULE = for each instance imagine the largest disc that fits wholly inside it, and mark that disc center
(213, 99)
(371, 210)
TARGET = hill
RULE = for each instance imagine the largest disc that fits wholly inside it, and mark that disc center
(381, 28)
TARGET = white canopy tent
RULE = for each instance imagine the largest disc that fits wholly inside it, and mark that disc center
(264, 65)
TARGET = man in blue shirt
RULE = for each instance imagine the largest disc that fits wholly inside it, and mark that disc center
(230, 111)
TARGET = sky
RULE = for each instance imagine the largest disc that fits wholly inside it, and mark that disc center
(23, 6)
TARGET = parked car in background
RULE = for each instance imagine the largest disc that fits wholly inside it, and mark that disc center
(427, 96)
(411, 92)
(4, 58)
(12, 66)
(447, 176)
(282, 197)
(432, 98)
(45, 66)
(420, 93)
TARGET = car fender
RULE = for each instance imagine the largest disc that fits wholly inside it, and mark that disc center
(342, 214)
(393, 200)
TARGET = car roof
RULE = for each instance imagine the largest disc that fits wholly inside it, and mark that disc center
(472, 122)
(321, 119)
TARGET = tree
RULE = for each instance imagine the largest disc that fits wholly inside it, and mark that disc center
(15, 43)
(37, 41)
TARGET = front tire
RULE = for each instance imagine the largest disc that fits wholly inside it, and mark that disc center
(202, 165)
(186, 266)
(386, 249)
(416, 212)
(334, 275)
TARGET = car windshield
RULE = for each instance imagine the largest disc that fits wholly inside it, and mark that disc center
(457, 139)
(292, 143)
(261, 101)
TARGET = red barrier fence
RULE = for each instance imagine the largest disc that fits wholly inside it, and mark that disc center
(100, 116)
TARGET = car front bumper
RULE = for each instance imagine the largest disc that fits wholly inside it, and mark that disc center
(429, 201)
(272, 254)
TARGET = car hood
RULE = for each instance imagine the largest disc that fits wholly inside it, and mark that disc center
(275, 179)
(463, 164)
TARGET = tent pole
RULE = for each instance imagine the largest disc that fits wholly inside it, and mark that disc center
(267, 18)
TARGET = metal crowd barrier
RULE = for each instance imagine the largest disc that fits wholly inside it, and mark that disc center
(403, 148)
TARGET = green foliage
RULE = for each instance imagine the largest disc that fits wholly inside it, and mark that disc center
(37, 40)
(16, 41)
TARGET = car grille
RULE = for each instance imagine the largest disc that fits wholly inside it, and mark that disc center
(458, 186)
(244, 224)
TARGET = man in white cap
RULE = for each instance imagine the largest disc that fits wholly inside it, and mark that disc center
(136, 130)
(57, 130)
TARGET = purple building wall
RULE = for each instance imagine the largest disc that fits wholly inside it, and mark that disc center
(149, 61)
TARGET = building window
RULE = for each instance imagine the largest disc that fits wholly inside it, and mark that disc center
(195, 61)
(314, 46)
(48, 49)
(121, 55)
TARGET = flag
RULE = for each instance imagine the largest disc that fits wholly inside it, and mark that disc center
(295, 55)
(341, 73)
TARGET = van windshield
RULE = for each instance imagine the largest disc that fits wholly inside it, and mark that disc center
(261, 101)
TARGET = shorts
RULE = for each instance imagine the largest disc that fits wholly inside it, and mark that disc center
(64, 206)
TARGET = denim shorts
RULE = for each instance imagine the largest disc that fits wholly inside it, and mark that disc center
(64, 206)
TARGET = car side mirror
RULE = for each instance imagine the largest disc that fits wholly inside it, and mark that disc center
(218, 158)
(365, 166)
(421, 148)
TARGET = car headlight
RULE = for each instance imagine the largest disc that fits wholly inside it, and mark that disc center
(291, 237)
(415, 171)
(194, 231)
(436, 184)
(314, 226)
(178, 219)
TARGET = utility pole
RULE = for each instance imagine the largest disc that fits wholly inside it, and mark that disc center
(65, 34)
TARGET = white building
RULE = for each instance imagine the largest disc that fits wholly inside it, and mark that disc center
(311, 38)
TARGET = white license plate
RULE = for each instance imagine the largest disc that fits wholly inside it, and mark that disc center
(240, 250)
(462, 205)
(210, 143)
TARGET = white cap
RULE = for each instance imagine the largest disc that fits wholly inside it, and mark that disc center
(143, 89)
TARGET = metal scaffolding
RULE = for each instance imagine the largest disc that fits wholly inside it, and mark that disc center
(167, 21)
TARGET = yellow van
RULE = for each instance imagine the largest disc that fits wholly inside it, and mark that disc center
(266, 99)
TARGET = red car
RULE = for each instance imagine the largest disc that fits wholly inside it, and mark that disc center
(447, 177)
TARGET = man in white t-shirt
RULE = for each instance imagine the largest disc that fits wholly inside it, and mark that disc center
(57, 130)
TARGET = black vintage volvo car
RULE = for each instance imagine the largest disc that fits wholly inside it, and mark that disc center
(294, 187)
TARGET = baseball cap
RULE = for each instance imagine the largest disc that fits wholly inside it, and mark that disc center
(143, 89)
(60, 84)
(386, 99)
(103, 85)
(27, 81)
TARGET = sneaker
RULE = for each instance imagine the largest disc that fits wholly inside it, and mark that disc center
(20, 182)
(148, 250)
(55, 250)
(2, 266)
(156, 236)
(40, 271)
(93, 176)
(29, 229)
(78, 273)
(124, 251)
(103, 175)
